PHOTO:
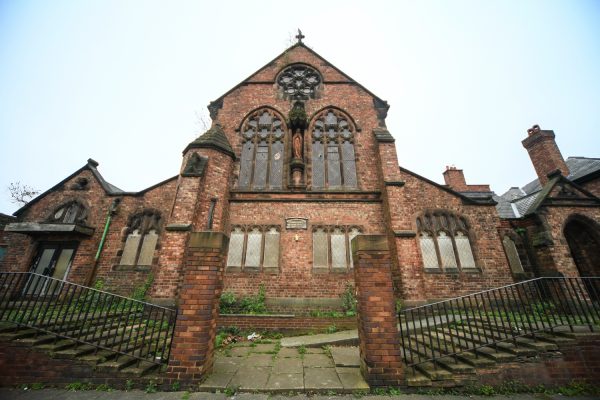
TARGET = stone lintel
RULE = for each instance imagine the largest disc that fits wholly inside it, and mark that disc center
(405, 234)
(178, 227)
(209, 240)
(370, 243)
(33, 228)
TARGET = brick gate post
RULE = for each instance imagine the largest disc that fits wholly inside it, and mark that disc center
(193, 344)
(380, 355)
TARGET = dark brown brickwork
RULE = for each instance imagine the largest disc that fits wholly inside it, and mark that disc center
(193, 344)
(379, 339)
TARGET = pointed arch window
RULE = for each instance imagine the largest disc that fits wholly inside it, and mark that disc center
(444, 241)
(261, 164)
(333, 157)
(142, 237)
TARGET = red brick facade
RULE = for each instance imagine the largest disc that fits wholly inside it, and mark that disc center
(386, 200)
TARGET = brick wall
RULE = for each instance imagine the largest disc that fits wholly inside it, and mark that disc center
(285, 323)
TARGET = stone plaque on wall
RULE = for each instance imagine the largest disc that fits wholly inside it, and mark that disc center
(296, 223)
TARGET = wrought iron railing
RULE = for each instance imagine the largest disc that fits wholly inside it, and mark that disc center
(447, 329)
(88, 316)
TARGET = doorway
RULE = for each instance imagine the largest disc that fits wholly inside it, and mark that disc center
(583, 238)
(53, 260)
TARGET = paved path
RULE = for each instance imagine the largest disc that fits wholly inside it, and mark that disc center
(54, 394)
(267, 367)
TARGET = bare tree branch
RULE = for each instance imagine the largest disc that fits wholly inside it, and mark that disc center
(21, 194)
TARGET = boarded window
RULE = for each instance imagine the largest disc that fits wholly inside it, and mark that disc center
(333, 157)
(512, 254)
(320, 249)
(428, 252)
(261, 161)
(236, 248)
(463, 247)
(143, 238)
(446, 250)
(338, 249)
(253, 248)
(271, 249)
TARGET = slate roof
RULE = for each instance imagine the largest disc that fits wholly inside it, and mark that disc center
(213, 138)
(579, 167)
(516, 203)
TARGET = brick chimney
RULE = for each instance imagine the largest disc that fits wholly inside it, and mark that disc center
(455, 178)
(544, 153)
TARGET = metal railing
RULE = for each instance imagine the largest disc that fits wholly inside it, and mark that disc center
(87, 316)
(492, 318)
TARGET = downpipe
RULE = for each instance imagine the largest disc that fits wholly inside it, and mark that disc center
(111, 211)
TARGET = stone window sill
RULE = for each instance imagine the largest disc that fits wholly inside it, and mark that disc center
(134, 268)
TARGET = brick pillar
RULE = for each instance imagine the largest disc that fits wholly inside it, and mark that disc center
(380, 355)
(196, 327)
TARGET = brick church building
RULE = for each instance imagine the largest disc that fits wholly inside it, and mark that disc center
(297, 162)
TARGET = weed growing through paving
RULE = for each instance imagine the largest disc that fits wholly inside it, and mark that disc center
(129, 385)
(77, 386)
(151, 387)
(175, 386)
(103, 387)
(302, 351)
(230, 391)
(185, 396)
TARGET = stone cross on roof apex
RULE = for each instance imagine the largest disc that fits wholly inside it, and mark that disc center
(300, 36)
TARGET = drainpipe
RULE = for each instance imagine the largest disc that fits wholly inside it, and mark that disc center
(111, 210)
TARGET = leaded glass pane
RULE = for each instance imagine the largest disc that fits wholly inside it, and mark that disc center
(148, 246)
(446, 250)
(351, 235)
(334, 177)
(320, 259)
(131, 247)
(349, 164)
(338, 249)
(276, 173)
(271, 249)
(465, 254)
(236, 248)
(318, 169)
(253, 248)
(512, 255)
(428, 252)
(246, 165)
(260, 166)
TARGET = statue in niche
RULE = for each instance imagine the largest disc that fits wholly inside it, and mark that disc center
(297, 145)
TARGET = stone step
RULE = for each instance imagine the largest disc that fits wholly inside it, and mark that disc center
(116, 364)
(21, 333)
(98, 357)
(74, 352)
(416, 379)
(551, 338)
(58, 345)
(140, 369)
(486, 337)
(38, 339)
(342, 338)
(466, 356)
(434, 372)
(496, 355)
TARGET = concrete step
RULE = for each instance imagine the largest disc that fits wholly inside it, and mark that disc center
(117, 364)
(342, 338)
(498, 356)
(140, 369)
(74, 352)
(434, 372)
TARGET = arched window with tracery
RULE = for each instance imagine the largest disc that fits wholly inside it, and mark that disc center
(444, 241)
(333, 157)
(72, 212)
(261, 164)
(142, 237)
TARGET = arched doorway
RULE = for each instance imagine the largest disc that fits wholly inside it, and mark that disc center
(583, 238)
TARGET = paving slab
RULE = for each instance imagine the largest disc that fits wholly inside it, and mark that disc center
(321, 379)
(338, 338)
(289, 352)
(345, 356)
(240, 351)
(288, 366)
(257, 360)
(262, 348)
(352, 378)
(285, 382)
(250, 378)
(315, 350)
(317, 361)
(226, 365)
(217, 381)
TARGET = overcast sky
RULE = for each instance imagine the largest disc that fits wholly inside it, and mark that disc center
(126, 82)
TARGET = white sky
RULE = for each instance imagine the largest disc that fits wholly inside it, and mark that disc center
(124, 81)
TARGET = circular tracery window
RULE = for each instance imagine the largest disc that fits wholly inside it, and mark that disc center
(299, 81)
